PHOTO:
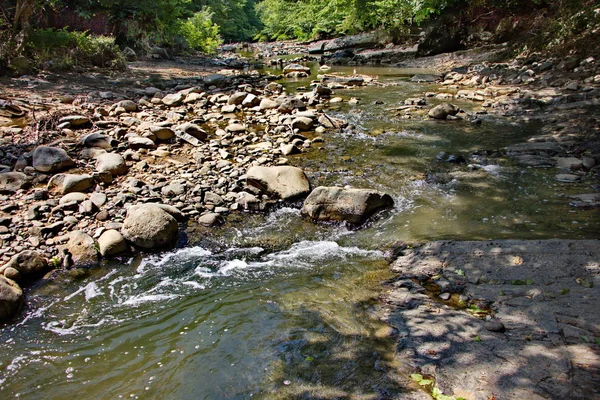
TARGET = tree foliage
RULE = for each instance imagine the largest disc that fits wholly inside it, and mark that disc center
(306, 19)
(201, 33)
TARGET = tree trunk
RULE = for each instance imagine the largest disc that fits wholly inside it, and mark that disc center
(22, 24)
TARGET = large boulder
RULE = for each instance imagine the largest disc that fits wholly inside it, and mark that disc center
(11, 182)
(82, 248)
(51, 159)
(442, 111)
(27, 264)
(111, 162)
(283, 182)
(11, 298)
(150, 227)
(339, 204)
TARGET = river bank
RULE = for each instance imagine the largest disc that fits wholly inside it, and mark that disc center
(500, 319)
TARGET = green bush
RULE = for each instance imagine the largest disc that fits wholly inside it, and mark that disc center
(201, 33)
(60, 49)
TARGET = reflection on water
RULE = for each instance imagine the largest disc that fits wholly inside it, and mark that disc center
(273, 306)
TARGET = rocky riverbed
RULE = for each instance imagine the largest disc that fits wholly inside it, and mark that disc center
(124, 172)
(97, 174)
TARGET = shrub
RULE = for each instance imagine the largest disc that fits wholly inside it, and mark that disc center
(201, 33)
(61, 49)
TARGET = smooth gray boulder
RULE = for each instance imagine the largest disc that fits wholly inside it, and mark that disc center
(11, 182)
(112, 243)
(111, 162)
(11, 298)
(340, 204)
(150, 227)
(51, 159)
(442, 111)
(283, 182)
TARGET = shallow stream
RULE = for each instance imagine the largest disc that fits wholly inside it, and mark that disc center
(274, 306)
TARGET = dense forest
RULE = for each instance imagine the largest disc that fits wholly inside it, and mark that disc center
(39, 27)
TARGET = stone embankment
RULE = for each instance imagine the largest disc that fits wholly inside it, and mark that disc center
(126, 175)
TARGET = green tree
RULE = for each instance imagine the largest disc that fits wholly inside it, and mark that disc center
(201, 33)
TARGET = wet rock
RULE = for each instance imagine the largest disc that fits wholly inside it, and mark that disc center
(11, 298)
(295, 68)
(570, 163)
(11, 182)
(567, 178)
(51, 159)
(82, 248)
(587, 200)
(331, 122)
(442, 111)
(289, 149)
(149, 227)
(283, 182)
(28, 265)
(67, 183)
(113, 163)
(340, 204)
(112, 243)
(425, 78)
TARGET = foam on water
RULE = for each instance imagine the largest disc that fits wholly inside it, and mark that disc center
(170, 258)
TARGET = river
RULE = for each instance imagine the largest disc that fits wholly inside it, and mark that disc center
(276, 307)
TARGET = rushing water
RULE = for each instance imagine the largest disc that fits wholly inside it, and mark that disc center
(275, 306)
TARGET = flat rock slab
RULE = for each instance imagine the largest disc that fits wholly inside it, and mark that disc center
(546, 294)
